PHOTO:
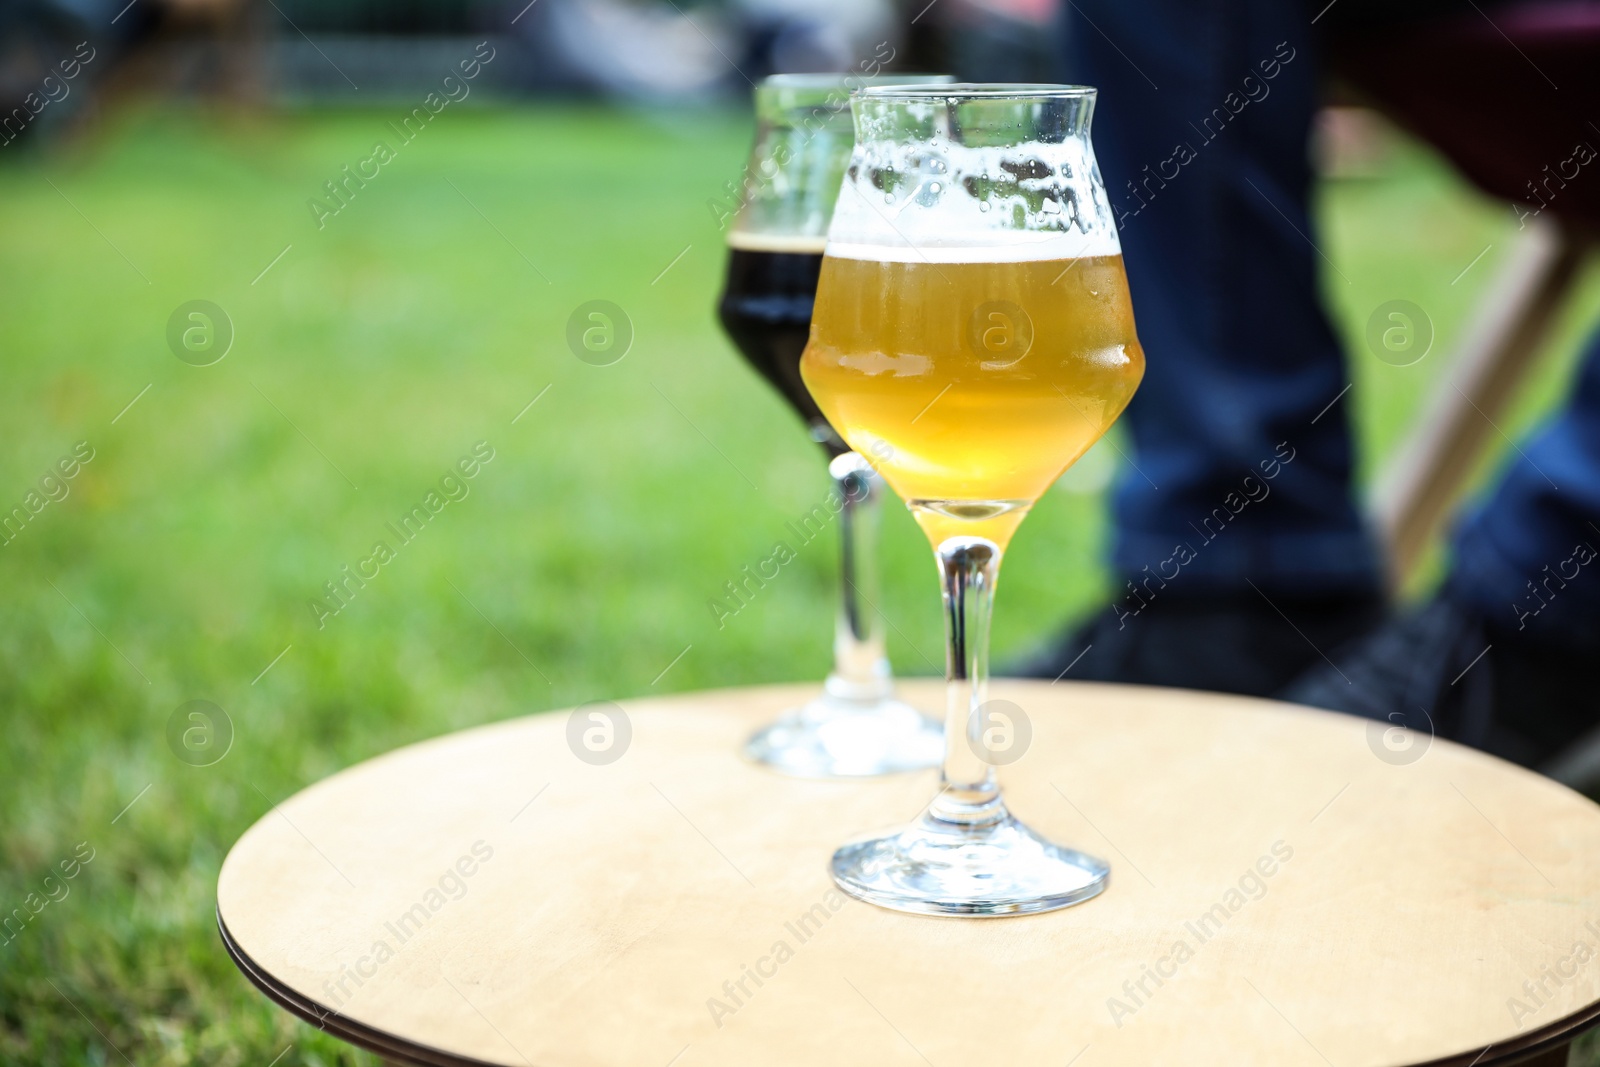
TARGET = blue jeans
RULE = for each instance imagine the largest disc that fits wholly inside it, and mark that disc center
(1241, 428)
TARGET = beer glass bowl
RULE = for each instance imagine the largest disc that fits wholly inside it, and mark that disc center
(972, 337)
(804, 135)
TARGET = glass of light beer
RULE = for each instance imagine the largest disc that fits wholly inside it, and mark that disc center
(856, 725)
(972, 337)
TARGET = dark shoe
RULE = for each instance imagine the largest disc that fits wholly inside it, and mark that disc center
(1441, 668)
(1233, 643)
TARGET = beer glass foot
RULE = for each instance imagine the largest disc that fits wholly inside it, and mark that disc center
(936, 867)
(839, 738)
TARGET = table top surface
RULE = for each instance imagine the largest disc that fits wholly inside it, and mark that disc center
(1288, 887)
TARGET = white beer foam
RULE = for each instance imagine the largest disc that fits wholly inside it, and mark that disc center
(937, 201)
(1023, 247)
(798, 244)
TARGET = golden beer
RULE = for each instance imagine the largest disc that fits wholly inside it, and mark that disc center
(972, 385)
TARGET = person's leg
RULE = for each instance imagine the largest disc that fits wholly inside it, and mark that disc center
(1241, 493)
(1201, 130)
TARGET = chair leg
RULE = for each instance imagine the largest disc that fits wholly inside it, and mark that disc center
(1500, 347)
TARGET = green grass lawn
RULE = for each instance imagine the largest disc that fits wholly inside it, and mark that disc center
(378, 351)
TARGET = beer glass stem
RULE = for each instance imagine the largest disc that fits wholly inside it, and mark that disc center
(860, 664)
(970, 793)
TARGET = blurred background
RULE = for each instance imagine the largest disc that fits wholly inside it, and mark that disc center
(384, 313)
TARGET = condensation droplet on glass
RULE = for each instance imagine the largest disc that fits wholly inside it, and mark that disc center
(983, 205)
(888, 198)
(933, 187)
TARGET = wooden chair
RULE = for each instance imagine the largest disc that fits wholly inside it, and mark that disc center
(1502, 344)
(1504, 91)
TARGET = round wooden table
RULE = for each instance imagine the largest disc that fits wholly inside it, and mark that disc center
(1288, 887)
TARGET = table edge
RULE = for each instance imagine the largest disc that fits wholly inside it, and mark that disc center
(330, 1021)
(1517, 1050)
(1548, 1037)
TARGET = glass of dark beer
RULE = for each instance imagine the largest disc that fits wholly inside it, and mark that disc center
(804, 137)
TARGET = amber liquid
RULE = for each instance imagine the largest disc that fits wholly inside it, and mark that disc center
(972, 386)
